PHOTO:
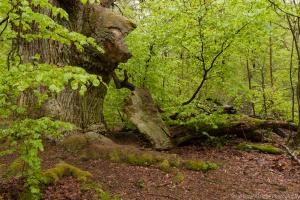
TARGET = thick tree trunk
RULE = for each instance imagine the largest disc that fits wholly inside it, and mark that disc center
(109, 30)
(82, 111)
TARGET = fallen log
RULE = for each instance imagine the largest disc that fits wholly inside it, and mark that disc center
(240, 125)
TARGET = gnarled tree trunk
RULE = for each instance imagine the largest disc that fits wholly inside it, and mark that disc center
(109, 30)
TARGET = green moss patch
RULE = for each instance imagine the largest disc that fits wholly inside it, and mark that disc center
(198, 165)
(140, 184)
(265, 148)
(179, 178)
(63, 169)
(165, 166)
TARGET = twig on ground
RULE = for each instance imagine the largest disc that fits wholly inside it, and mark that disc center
(294, 157)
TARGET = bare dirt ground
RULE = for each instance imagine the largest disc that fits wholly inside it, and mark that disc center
(243, 175)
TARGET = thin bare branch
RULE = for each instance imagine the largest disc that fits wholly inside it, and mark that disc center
(293, 156)
(224, 46)
(282, 10)
(4, 20)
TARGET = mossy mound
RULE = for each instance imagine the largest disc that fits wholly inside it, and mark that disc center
(63, 169)
(265, 148)
(77, 142)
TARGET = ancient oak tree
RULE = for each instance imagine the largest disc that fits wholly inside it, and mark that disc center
(109, 30)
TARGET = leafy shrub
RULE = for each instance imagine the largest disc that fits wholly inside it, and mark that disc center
(26, 139)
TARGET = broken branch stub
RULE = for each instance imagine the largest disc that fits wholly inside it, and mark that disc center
(142, 112)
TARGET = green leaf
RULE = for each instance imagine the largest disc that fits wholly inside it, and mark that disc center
(74, 85)
(84, 1)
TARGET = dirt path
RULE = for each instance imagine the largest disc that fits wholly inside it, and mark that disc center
(244, 175)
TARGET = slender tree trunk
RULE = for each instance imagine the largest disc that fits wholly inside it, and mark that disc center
(249, 76)
(151, 53)
(271, 57)
(262, 72)
(291, 82)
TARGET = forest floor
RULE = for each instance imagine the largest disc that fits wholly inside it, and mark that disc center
(243, 175)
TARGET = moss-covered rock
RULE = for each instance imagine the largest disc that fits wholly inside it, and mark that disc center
(88, 145)
(265, 148)
(63, 169)
(95, 137)
(75, 143)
